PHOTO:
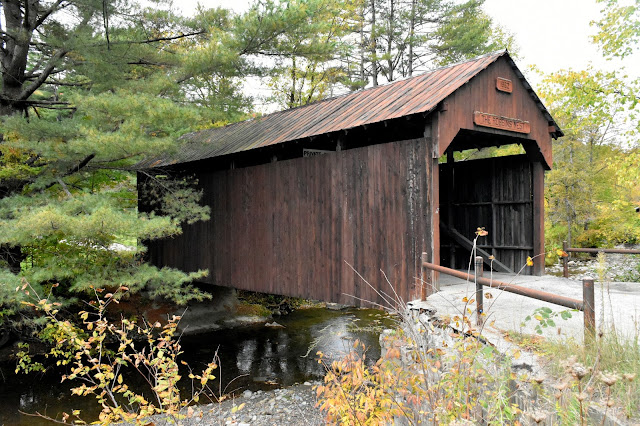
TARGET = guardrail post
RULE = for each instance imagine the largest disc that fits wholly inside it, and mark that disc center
(588, 299)
(479, 267)
(565, 260)
(424, 279)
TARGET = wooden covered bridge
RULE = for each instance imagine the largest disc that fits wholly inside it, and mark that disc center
(368, 179)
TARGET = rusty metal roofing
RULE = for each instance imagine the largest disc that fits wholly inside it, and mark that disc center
(418, 94)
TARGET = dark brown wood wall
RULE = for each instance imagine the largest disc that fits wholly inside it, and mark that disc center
(289, 227)
(480, 94)
(497, 194)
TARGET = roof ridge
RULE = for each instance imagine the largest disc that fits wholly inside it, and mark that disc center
(497, 53)
(403, 97)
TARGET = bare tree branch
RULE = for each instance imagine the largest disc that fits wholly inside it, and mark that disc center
(64, 187)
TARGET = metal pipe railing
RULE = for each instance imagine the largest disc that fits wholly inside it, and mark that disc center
(567, 249)
(585, 305)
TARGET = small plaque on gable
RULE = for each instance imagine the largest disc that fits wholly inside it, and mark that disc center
(502, 123)
(504, 85)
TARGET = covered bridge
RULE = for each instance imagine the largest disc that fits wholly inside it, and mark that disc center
(366, 182)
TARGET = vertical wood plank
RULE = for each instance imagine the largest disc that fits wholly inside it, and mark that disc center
(538, 217)
(287, 227)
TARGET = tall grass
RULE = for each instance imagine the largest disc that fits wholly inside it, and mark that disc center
(437, 371)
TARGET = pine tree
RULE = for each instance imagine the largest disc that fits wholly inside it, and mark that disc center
(89, 89)
(397, 38)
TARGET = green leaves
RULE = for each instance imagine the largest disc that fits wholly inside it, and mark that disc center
(598, 112)
(313, 34)
(467, 32)
(565, 315)
(545, 317)
(618, 28)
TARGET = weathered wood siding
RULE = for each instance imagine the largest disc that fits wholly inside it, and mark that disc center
(290, 227)
(497, 194)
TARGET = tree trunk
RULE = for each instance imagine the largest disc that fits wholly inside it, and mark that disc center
(412, 31)
(20, 21)
(569, 220)
(390, 34)
(292, 94)
(363, 75)
(374, 45)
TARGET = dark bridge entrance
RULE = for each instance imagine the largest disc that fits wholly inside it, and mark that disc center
(496, 194)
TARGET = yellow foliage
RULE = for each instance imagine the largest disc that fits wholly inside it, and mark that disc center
(84, 352)
(419, 392)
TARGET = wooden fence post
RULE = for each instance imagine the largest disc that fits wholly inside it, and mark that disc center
(588, 298)
(565, 260)
(479, 267)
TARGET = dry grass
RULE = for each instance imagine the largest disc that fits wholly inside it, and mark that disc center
(612, 367)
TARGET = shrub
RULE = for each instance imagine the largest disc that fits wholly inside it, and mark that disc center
(428, 373)
(98, 351)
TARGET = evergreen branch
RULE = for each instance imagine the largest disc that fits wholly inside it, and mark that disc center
(39, 103)
(53, 107)
(115, 160)
(54, 7)
(62, 83)
(37, 75)
(286, 55)
(151, 40)
(31, 74)
(43, 103)
(81, 165)
(31, 161)
(145, 62)
(48, 69)
(40, 44)
(64, 187)
(184, 78)
(155, 40)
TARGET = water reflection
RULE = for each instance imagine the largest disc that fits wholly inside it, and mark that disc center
(27, 400)
(255, 357)
(246, 356)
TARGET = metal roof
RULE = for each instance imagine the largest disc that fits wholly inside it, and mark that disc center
(418, 94)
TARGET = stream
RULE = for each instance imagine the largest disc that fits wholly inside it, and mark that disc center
(252, 357)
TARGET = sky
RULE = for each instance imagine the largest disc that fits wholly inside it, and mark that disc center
(551, 34)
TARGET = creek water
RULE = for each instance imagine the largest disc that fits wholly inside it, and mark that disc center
(251, 357)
